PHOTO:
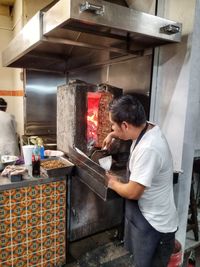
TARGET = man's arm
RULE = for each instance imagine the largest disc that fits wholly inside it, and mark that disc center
(130, 190)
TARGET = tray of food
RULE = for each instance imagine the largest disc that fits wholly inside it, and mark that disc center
(56, 167)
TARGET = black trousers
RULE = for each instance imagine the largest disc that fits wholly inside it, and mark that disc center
(149, 247)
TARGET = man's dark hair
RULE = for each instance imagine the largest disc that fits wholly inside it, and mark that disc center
(3, 104)
(129, 109)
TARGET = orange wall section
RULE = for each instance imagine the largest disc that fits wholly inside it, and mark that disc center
(11, 93)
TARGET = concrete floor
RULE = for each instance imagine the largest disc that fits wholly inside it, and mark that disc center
(104, 250)
(101, 250)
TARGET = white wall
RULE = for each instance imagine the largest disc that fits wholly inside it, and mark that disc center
(11, 87)
(8, 87)
(11, 82)
(6, 80)
(173, 78)
(32, 6)
(175, 103)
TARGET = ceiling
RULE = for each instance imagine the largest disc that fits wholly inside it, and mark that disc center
(7, 2)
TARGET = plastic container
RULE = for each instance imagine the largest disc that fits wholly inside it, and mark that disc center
(176, 257)
(27, 153)
(36, 161)
(42, 152)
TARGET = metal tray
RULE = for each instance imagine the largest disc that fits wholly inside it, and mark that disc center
(62, 171)
(91, 174)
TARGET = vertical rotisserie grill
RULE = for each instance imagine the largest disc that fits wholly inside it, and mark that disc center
(83, 122)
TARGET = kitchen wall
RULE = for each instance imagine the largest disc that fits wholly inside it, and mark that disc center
(11, 82)
(171, 98)
(176, 97)
(144, 5)
(132, 76)
(11, 87)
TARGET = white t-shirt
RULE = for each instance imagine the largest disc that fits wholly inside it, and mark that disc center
(151, 165)
(8, 137)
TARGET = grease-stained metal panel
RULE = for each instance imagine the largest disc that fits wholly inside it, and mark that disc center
(40, 102)
(92, 175)
(89, 214)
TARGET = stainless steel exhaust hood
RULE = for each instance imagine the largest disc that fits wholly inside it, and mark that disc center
(75, 33)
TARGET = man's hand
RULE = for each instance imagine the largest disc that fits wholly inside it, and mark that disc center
(108, 141)
(111, 178)
(130, 190)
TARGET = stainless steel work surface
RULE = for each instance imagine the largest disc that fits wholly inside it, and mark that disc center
(76, 34)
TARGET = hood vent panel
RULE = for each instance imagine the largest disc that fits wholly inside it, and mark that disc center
(75, 34)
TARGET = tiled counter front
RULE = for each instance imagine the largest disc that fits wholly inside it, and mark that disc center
(32, 226)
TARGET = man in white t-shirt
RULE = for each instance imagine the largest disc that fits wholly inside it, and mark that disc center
(150, 212)
(8, 135)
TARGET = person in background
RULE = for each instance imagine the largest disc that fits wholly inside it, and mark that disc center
(8, 135)
(150, 212)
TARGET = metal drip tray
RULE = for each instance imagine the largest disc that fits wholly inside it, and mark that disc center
(92, 175)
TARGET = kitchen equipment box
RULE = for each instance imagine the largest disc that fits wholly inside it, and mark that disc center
(57, 167)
